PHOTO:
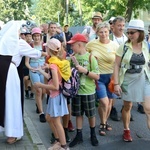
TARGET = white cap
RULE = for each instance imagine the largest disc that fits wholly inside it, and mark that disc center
(112, 18)
(136, 24)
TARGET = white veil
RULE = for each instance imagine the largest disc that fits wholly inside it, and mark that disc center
(9, 38)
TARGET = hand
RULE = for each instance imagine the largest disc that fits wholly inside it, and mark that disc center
(117, 90)
(81, 69)
(33, 69)
(45, 66)
(39, 68)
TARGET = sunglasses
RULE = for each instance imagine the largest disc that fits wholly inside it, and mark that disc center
(131, 32)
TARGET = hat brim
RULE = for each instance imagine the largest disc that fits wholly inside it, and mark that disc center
(96, 17)
(71, 41)
(137, 28)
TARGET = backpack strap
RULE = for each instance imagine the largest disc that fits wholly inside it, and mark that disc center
(125, 48)
(90, 60)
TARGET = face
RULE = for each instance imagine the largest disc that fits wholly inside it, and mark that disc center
(22, 36)
(96, 21)
(37, 37)
(103, 33)
(118, 27)
(133, 35)
(28, 38)
(75, 47)
(52, 29)
(66, 28)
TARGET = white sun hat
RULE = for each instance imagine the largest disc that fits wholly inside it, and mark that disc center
(136, 24)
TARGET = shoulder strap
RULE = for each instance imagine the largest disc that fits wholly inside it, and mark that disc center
(90, 60)
(125, 48)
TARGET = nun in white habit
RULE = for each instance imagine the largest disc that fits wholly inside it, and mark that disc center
(12, 49)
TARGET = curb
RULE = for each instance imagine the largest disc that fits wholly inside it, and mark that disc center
(33, 133)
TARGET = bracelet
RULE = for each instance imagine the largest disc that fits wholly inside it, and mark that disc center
(87, 73)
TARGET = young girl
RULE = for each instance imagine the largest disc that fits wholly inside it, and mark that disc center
(32, 63)
(57, 104)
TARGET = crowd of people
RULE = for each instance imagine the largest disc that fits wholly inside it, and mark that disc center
(102, 51)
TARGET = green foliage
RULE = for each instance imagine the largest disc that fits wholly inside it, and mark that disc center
(55, 10)
(14, 9)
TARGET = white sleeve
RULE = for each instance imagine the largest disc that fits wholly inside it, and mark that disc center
(26, 50)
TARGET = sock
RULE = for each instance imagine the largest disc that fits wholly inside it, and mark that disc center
(92, 131)
(79, 133)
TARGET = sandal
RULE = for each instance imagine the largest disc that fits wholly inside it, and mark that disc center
(102, 129)
(12, 140)
(108, 127)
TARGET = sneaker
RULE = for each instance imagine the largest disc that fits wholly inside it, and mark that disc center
(31, 96)
(94, 140)
(70, 126)
(140, 109)
(27, 96)
(114, 114)
(66, 135)
(131, 118)
(42, 118)
(76, 140)
(127, 136)
(52, 139)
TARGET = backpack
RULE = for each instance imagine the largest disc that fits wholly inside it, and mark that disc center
(70, 87)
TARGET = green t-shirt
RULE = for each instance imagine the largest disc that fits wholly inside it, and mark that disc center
(87, 85)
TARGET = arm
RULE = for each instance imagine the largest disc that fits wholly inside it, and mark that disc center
(117, 87)
(90, 74)
(53, 86)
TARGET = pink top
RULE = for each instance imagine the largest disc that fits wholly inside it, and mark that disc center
(54, 93)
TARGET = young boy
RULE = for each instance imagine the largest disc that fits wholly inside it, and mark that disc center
(84, 102)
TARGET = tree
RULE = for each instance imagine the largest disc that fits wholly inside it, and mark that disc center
(14, 9)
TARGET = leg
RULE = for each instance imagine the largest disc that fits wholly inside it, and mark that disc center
(103, 113)
(146, 106)
(38, 98)
(126, 111)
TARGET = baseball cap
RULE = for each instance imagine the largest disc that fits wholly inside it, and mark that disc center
(136, 24)
(78, 38)
(97, 15)
(36, 30)
(53, 44)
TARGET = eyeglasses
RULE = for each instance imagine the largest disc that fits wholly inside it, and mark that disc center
(131, 32)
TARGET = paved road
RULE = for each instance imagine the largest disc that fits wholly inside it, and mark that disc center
(40, 132)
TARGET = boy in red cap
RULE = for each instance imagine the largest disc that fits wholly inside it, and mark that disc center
(84, 102)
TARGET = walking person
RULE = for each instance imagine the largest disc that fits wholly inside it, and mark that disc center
(104, 50)
(12, 49)
(84, 102)
(131, 72)
(57, 103)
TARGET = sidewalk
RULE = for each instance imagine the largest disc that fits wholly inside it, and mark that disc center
(37, 135)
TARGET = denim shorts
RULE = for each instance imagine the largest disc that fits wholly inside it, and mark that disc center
(102, 87)
(36, 76)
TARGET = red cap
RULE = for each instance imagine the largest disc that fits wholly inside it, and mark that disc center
(78, 38)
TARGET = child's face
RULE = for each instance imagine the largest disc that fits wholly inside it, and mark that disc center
(75, 47)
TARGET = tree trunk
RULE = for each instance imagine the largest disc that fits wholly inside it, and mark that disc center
(129, 10)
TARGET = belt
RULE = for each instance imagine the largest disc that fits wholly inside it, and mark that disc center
(13, 63)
